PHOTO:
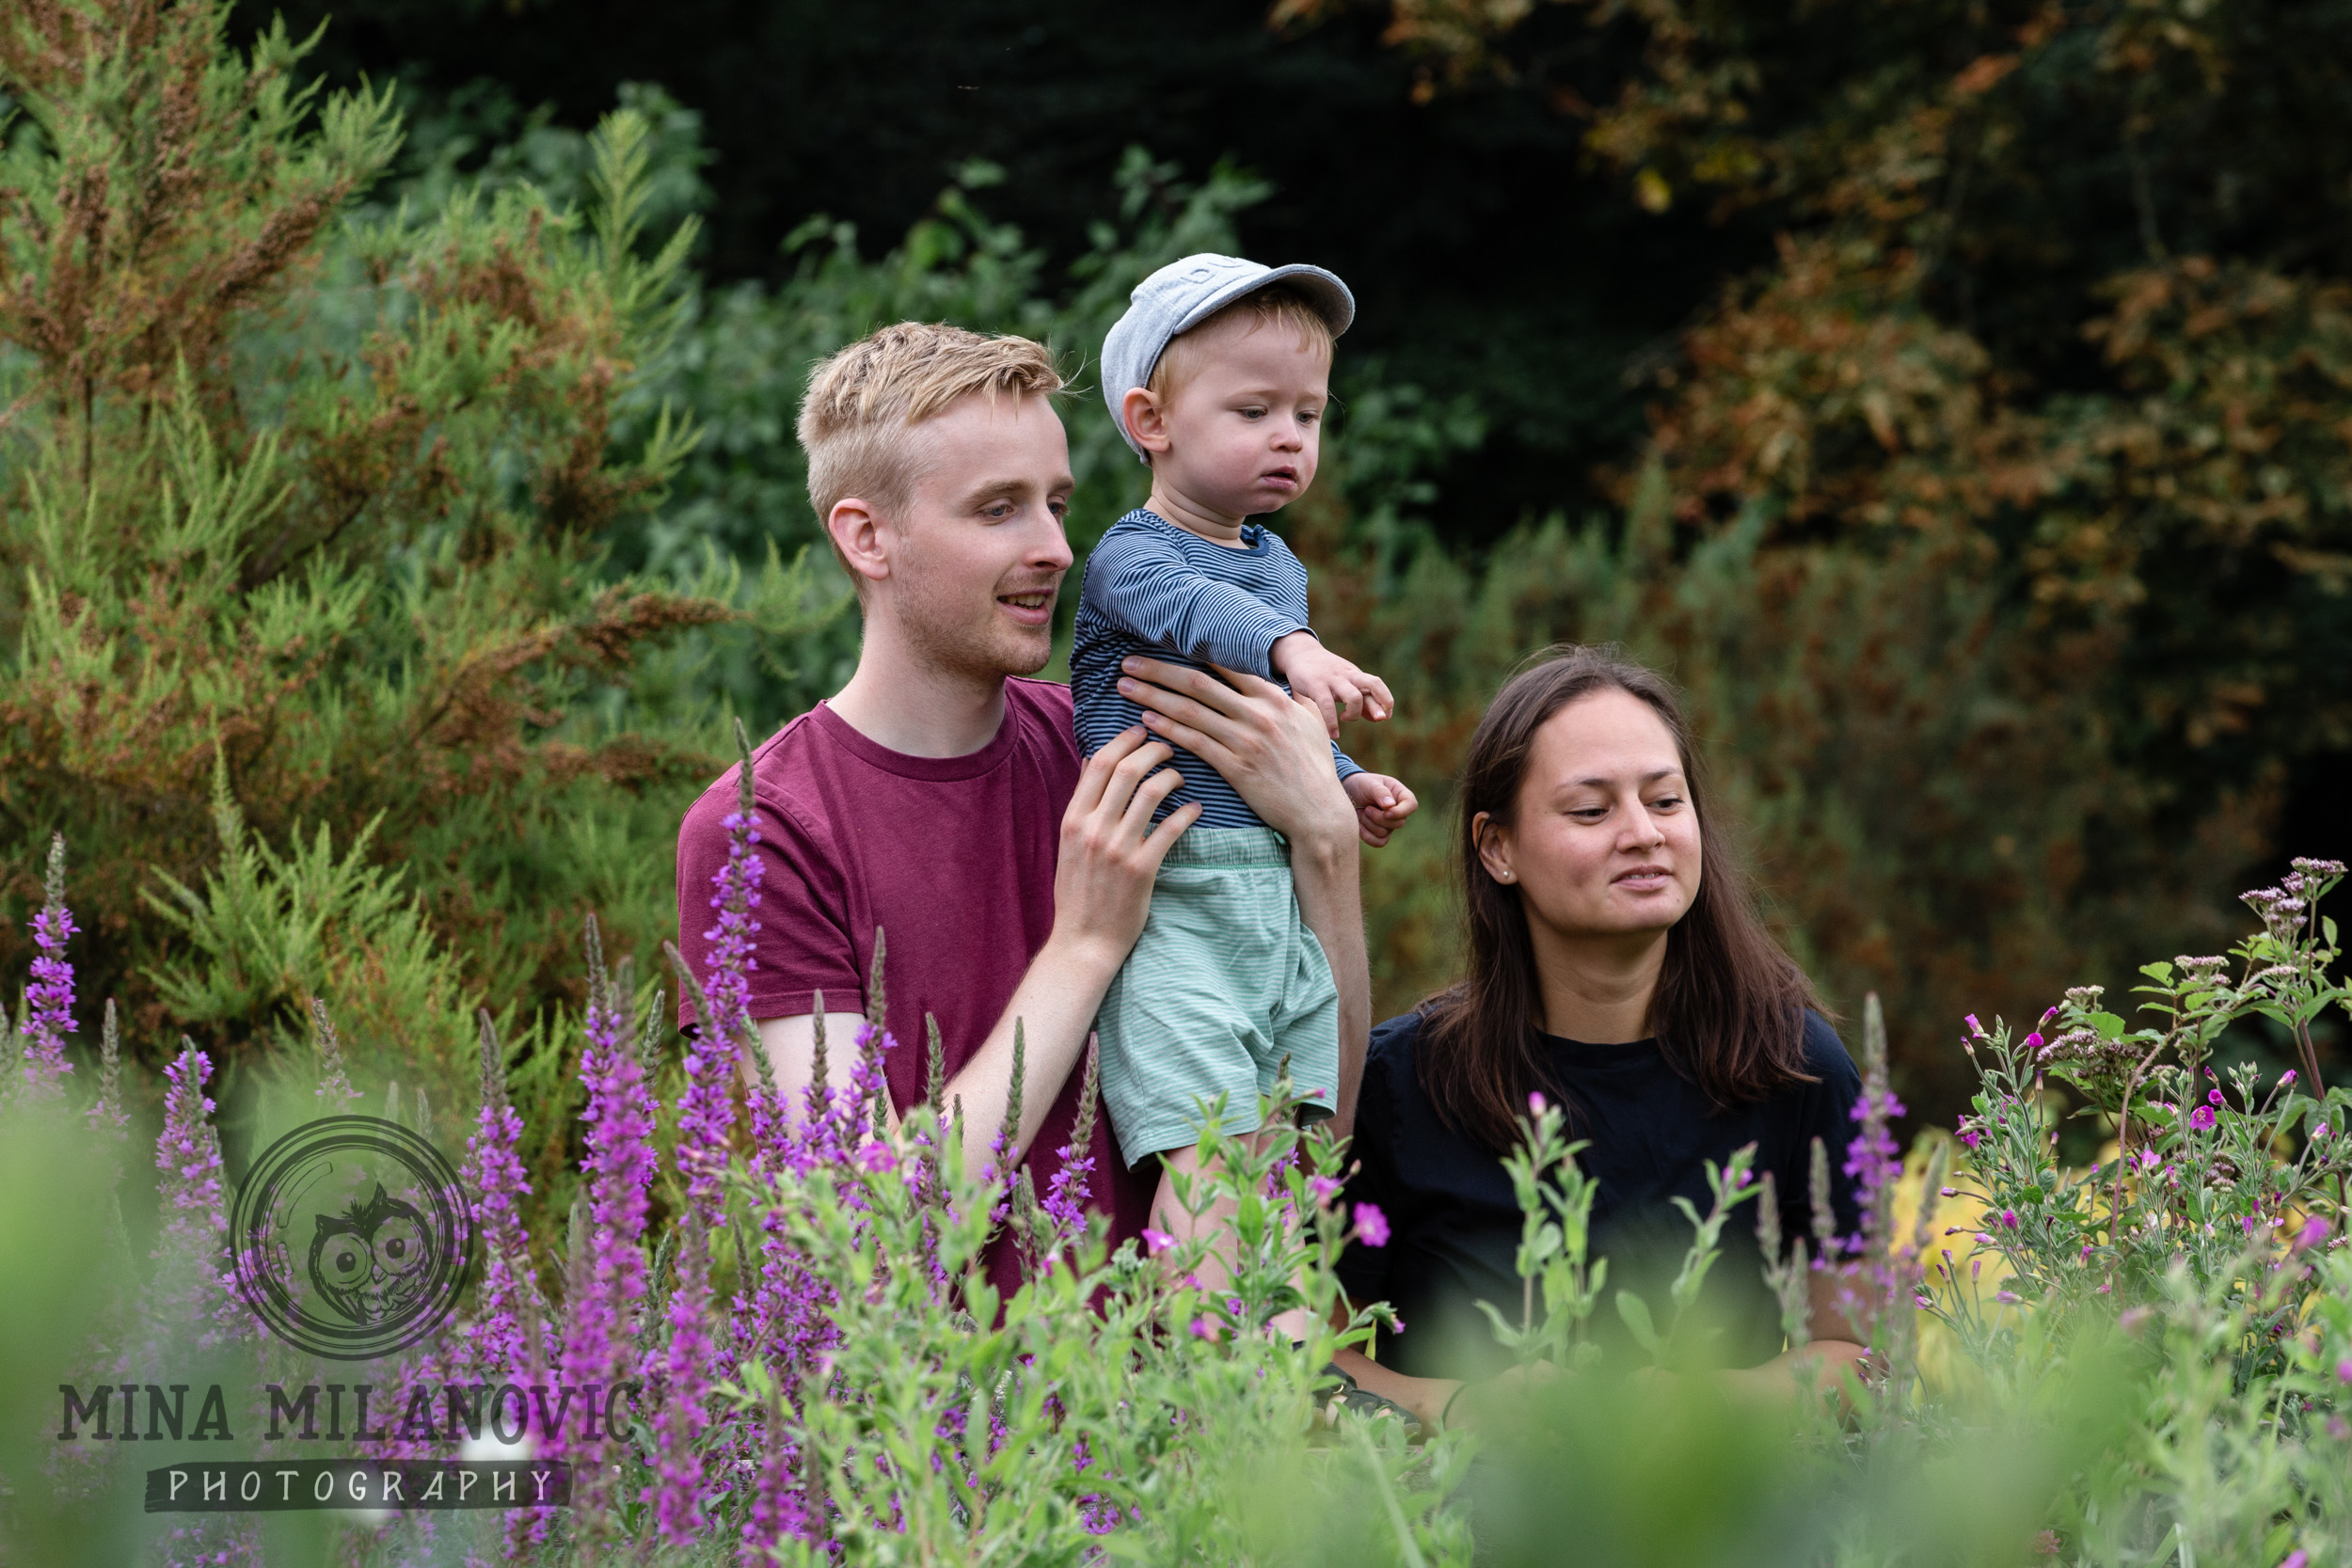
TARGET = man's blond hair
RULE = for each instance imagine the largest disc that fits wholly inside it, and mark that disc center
(863, 403)
(1275, 306)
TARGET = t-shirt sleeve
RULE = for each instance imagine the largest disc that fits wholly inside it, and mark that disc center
(803, 946)
(1346, 764)
(1147, 589)
(1829, 1117)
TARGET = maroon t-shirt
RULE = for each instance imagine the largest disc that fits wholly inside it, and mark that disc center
(951, 858)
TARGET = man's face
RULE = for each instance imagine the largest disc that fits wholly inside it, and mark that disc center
(978, 550)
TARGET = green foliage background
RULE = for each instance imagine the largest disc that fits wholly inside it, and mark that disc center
(394, 510)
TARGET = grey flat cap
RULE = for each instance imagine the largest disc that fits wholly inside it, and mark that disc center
(1182, 294)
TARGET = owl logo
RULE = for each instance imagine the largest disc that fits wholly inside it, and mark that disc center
(373, 1261)
(352, 1238)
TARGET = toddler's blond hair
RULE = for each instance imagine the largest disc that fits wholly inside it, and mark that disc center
(1269, 307)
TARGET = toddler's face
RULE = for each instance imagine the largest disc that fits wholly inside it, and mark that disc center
(1244, 426)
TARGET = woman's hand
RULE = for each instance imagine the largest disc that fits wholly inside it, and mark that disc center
(1271, 749)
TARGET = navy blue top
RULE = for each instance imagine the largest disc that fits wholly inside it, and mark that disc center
(1454, 1224)
(1154, 589)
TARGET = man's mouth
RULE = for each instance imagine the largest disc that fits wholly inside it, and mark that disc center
(1031, 608)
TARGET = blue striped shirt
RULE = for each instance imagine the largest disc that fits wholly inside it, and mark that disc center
(1154, 589)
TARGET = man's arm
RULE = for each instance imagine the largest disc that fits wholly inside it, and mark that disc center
(1272, 751)
(1101, 890)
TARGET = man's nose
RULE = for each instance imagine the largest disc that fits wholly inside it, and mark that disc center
(1049, 546)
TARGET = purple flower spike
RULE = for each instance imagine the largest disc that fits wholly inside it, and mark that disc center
(49, 997)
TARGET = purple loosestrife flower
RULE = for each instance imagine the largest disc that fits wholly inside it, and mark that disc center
(498, 1349)
(684, 1412)
(335, 1095)
(608, 1282)
(193, 1281)
(1066, 1194)
(49, 997)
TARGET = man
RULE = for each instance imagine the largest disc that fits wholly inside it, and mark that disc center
(938, 799)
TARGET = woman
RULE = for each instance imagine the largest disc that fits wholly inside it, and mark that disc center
(1617, 965)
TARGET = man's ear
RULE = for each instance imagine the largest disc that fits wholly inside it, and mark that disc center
(1145, 417)
(857, 528)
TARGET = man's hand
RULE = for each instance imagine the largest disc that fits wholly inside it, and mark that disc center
(1274, 754)
(1381, 803)
(1102, 880)
(1336, 687)
(1270, 749)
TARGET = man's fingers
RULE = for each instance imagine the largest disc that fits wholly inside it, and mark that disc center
(1095, 776)
(1380, 705)
(1135, 819)
(1163, 838)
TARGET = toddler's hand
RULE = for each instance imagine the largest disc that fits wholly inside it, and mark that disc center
(1336, 687)
(1381, 803)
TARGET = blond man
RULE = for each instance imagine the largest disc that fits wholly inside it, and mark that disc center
(939, 797)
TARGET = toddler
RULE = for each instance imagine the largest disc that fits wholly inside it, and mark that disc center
(1218, 375)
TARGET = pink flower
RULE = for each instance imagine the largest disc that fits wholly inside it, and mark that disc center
(1535, 1104)
(2343, 1370)
(2201, 1118)
(2033, 1041)
(1922, 1302)
(2287, 1078)
(1156, 1241)
(2294, 1558)
(1324, 1188)
(2314, 1232)
(1968, 1137)
(2320, 1130)
(1202, 1329)
(2213, 1097)
(1372, 1225)
(1974, 1027)
(2009, 1218)
(2008, 1298)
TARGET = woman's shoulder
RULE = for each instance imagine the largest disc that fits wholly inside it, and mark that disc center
(1826, 1057)
(1393, 1041)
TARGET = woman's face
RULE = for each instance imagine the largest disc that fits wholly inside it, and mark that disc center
(1605, 841)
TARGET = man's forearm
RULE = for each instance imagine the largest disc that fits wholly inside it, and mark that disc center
(1054, 1007)
(1328, 878)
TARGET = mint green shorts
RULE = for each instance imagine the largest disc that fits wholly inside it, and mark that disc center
(1224, 984)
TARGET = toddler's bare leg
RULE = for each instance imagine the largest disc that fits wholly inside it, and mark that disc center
(1216, 1224)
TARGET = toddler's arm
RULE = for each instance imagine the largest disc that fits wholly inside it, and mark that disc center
(1150, 591)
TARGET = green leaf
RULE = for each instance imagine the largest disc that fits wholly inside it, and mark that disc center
(2107, 1025)
(1635, 1311)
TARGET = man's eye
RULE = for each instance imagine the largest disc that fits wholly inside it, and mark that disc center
(998, 512)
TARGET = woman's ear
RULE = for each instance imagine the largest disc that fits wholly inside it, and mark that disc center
(1494, 848)
(1145, 419)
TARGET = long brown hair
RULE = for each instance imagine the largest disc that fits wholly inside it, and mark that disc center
(1729, 1009)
